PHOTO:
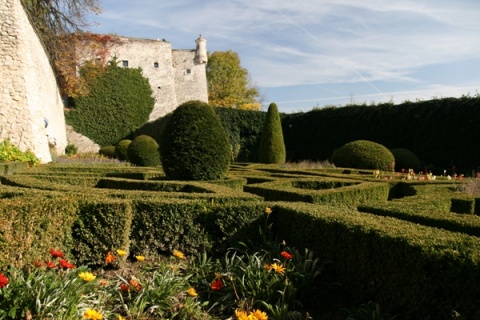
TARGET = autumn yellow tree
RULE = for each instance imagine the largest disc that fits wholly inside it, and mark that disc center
(229, 84)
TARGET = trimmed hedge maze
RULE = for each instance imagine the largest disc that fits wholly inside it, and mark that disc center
(411, 246)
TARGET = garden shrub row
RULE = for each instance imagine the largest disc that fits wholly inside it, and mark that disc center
(7, 168)
(334, 192)
(409, 269)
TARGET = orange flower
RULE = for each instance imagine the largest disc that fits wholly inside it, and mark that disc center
(109, 258)
(56, 253)
(134, 283)
(124, 287)
(38, 264)
(64, 264)
(217, 284)
(267, 266)
(268, 210)
(192, 292)
(241, 315)
(3, 280)
(286, 255)
(103, 283)
(51, 265)
(278, 268)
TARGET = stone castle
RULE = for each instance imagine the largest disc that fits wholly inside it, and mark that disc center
(31, 107)
(176, 76)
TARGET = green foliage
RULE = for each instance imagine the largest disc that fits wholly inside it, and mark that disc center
(108, 151)
(405, 159)
(244, 128)
(195, 145)
(71, 149)
(143, 152)
(272, 146)
(119, 101)
(9, 152)
(121, 149)
(363, 154)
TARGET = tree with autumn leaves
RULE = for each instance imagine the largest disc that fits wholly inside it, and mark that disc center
(229, 84)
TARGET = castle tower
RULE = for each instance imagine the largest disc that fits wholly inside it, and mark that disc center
(201, 50)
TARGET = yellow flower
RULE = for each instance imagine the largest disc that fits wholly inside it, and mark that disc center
(268, 210)
(178, 254)
(86, 276)
(140, 258)
(278, 268)
(258, 315)
(192, 292)
(121, 252)
(92, 315)
(120, 317)
(241, 315)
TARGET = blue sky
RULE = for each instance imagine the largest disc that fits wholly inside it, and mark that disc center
(311, 53)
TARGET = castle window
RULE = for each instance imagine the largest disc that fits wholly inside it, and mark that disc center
(188, 71)
(155, 64)
(125, 63)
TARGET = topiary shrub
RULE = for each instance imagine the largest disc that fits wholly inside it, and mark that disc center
(272, 146)
(118, 102)
(405, 159)
(121, 149)
(194, 145)
(363, 154)
(143, 152)
(108, 151)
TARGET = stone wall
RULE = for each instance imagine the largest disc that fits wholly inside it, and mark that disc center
(29, 95)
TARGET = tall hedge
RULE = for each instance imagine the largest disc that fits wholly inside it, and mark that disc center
(119, 101)
(194, 145)
(272, 146)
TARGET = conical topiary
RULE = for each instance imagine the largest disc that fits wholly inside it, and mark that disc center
(194, 145)
(272, 146)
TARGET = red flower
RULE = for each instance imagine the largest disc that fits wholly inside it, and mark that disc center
(286, 255)
(217, 284)
(38, 264)
(56, 253)
(3, 280)
(64, 264)
(51, 265)
(124, 287)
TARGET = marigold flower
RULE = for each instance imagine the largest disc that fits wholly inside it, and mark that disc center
(268, 210)
(38, 264)
(121, 252)
(179, 254)
(267, 266)
(64, 264)
(258, 315)
(241, 315)
(109, 258)
(135, 284)
(51, 265)
(86, 276)
(140, 258)
(56, 253)
(278, 268)
(92, 315)
(192, 292)
(286, 255)
(217, 284)
(3, 281)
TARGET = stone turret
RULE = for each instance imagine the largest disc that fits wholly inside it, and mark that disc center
(201, 50)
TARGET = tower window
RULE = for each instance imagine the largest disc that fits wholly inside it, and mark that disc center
(155, 64)
(188, 71)
(125, 63)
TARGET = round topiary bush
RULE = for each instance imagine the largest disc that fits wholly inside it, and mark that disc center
(405, 159)
(194, 145)
(143, 151)
(121, 149)
(108, 151)
(363, 154)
